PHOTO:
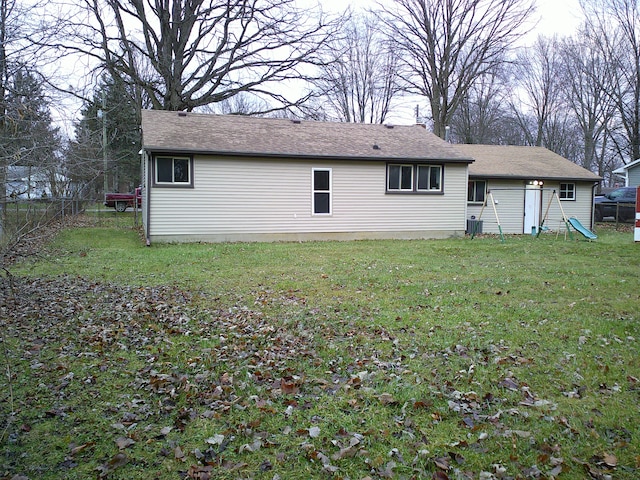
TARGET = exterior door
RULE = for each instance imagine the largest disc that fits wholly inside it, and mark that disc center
(532, 208)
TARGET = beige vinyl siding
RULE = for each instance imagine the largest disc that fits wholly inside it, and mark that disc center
(237, 198)
(581, 207)
(510, 195)
(509, 207)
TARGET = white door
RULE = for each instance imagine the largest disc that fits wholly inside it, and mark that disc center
(532, 208)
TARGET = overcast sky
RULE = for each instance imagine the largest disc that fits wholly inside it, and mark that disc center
(560, 17)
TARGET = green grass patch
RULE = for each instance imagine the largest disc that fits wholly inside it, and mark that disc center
(380, 359)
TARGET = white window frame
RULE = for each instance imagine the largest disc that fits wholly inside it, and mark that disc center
(314, 191)
(157, 182)
(475, 189)
(429, 187)
(400, 166)
(415, 180)
(565, 191)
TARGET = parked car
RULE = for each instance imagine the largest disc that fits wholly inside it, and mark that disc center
(120, 201)
(620, 203)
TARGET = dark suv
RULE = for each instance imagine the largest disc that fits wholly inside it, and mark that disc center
(620, 203)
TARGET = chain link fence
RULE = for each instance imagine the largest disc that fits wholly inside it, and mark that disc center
(21, 216)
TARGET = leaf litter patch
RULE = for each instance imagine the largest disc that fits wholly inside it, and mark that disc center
(178, 360)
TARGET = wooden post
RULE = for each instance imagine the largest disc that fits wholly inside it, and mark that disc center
(636, 230)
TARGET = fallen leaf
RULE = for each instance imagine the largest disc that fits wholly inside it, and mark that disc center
(178, 454)
(610, 460)
(116, 461)
(555, 471)
(442, 463)
(422, 404)
(124, 442)
(251, 447)
(314, 432)
(81, 448)
(215, 440)
(289, 386)
(387, 471)
(386, 399)
(508, 383)
(347, 452)
(199, 472)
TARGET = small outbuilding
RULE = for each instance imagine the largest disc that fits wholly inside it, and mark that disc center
(526, 184)
(219, 178)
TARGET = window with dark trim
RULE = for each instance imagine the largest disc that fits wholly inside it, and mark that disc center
(429, 177)
(476, 191)
(321, 180)
(416, 178)
(567, 191)
(176, 171)
(400, 177)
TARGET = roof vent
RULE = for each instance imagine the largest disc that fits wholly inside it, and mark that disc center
(389, 126)
(182, 114)
(297, 122)
(376, 146)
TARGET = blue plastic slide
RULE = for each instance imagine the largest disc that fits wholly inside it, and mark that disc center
(575, 223)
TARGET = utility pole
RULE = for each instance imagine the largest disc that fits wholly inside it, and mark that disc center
(4, 78)
(103, 115)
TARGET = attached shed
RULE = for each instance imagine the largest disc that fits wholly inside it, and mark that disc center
(218, 178)
(522, 181)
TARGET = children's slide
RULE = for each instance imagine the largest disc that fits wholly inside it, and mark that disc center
(575, 223)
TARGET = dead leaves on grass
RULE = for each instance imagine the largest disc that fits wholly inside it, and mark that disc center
(245, 365)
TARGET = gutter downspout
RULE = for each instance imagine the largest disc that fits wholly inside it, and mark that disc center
(593, 210)
(147, 227)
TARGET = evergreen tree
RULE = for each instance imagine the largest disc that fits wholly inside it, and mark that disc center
(123, 141)
(28, 137)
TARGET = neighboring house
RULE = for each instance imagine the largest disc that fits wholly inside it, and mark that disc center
(29, 183)
(631, 174)
(522, 181)
(221, 178)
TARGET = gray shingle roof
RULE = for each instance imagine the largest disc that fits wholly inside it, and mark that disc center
(165, 131)
(507, 161)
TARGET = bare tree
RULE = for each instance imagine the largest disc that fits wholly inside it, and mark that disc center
(14, 55)
(588, 81)
(483, 116)
(240, 104)
(538, 92)
(615, 25)
(184, 54)
(448, 44)
(359, 79)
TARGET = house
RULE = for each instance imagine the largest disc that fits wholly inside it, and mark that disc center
(527, 183)
(631, 173)
(219, 178)
(30, 182)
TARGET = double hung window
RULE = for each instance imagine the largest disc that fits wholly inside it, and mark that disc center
(321, 180)
(476, 191)
(400, 178)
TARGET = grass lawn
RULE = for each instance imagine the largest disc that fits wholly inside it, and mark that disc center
(350, 360)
